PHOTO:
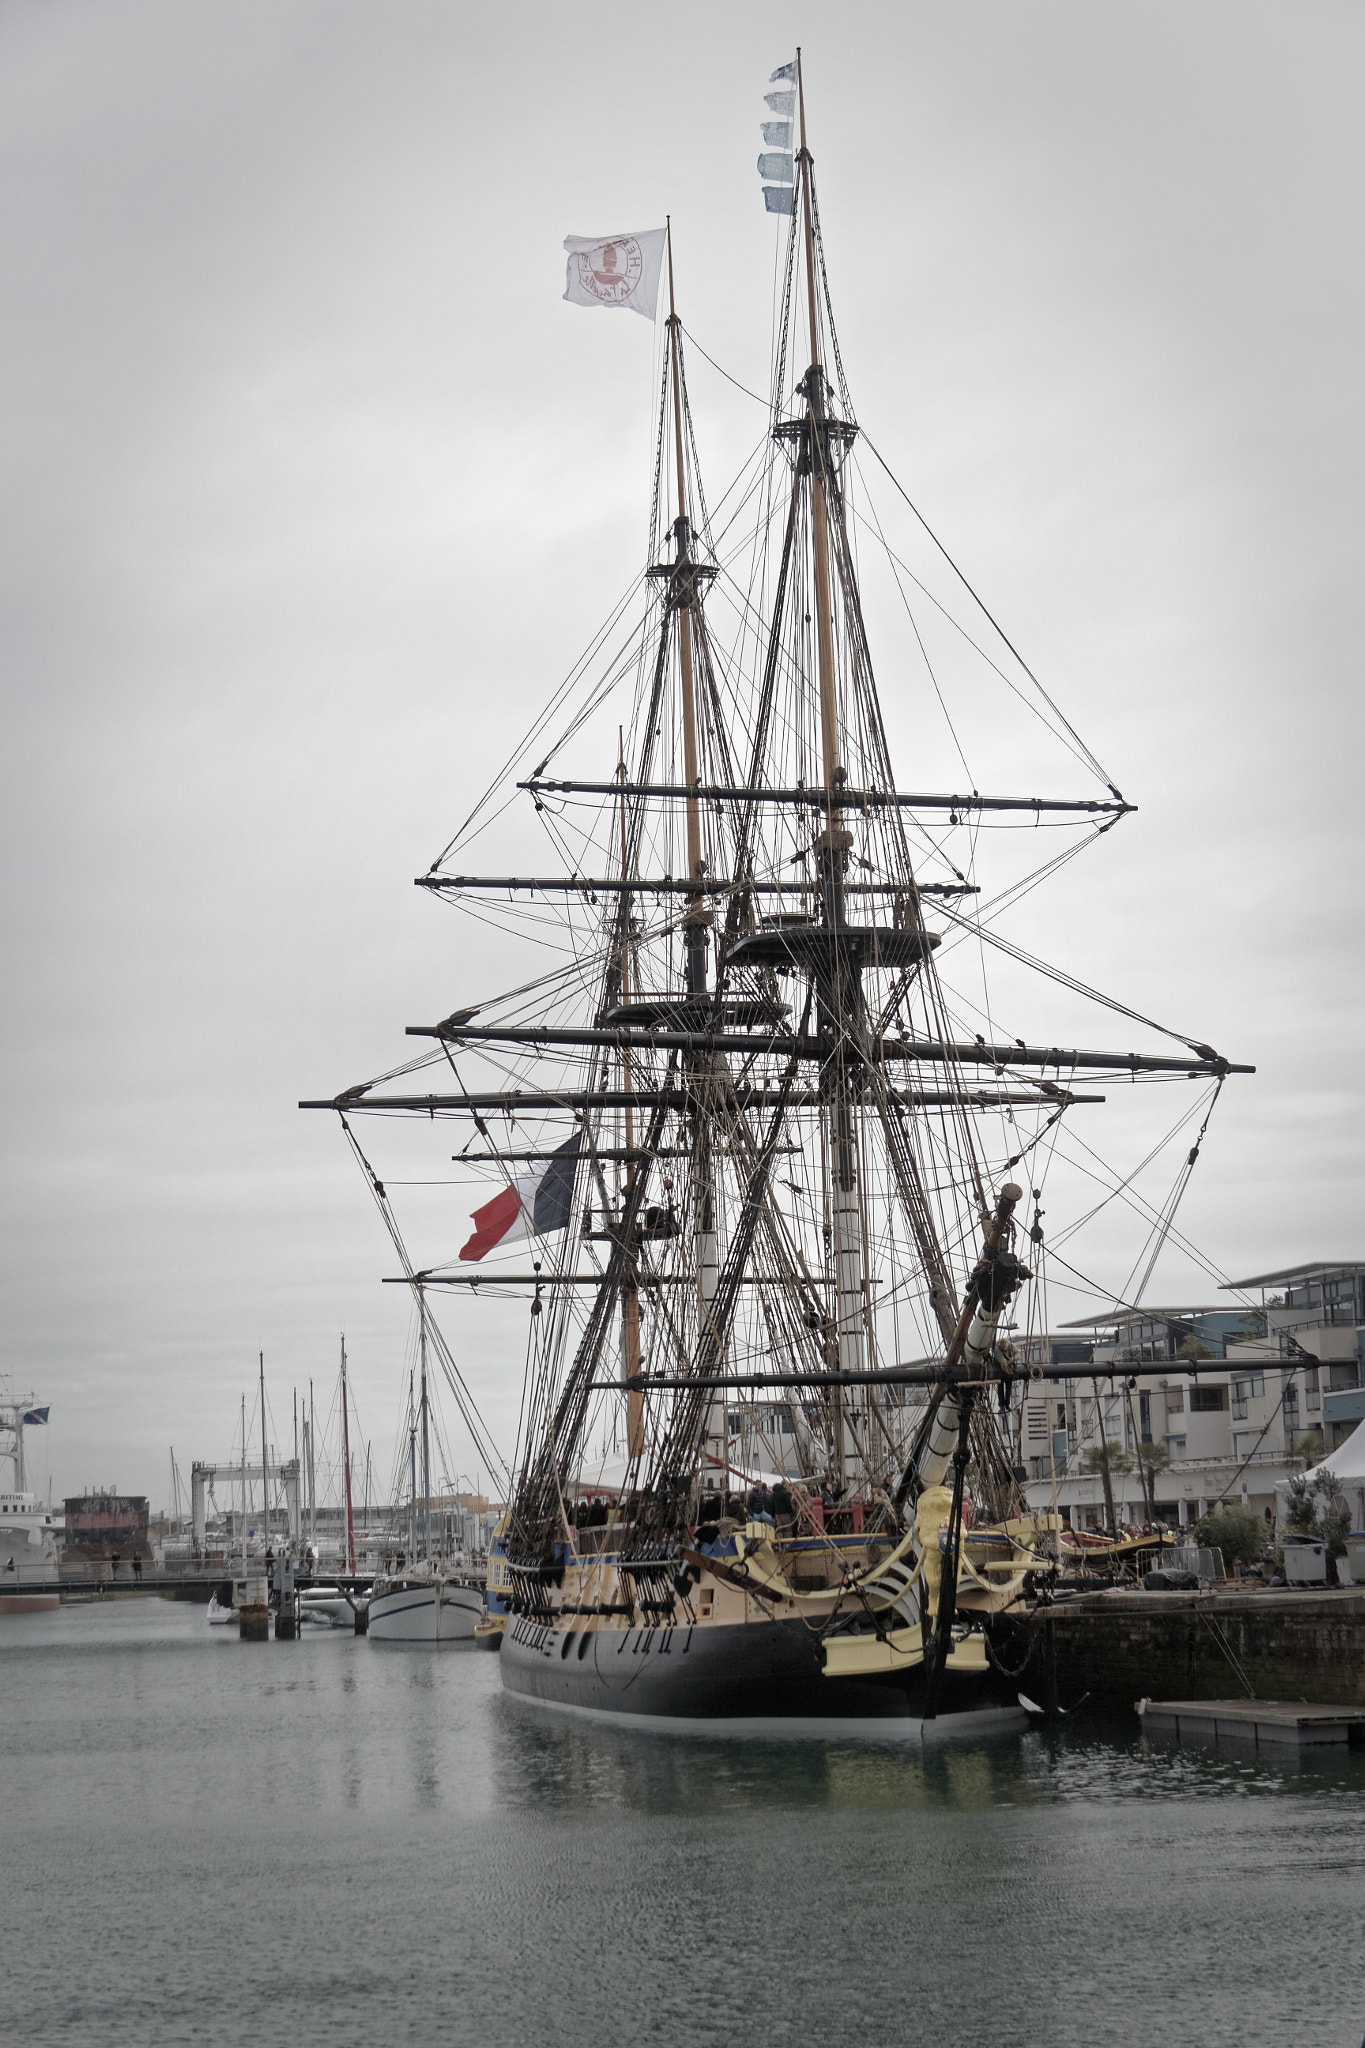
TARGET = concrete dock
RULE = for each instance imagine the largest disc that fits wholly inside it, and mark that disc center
(1212, 1646)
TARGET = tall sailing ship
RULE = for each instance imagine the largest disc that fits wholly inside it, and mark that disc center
(783, 1211)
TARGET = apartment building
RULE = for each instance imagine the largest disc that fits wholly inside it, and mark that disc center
(1244, 1391)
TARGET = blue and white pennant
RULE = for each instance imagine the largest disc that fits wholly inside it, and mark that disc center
(776, 165)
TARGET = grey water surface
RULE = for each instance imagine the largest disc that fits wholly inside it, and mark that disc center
(333, 1841)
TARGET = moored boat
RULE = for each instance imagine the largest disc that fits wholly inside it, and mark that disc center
(29, 1582)
(424, 1607)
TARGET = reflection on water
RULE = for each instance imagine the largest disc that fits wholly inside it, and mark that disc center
(414, 1854)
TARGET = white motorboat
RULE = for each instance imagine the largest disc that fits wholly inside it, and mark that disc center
(218, 1615)
(424, 1607)
(328, 1607)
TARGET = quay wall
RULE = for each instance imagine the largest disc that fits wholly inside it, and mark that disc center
(1175, 1646)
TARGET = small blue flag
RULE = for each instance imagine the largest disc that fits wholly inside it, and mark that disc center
(780, 102)
(776, 166)
(780, 198)
(784, 71)
(553, 1202)
(35, 1415)
(777, 134)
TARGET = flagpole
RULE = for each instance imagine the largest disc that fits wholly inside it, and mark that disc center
(696, 918)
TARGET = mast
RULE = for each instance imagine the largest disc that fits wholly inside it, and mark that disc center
(841, 995)
(715, 1441)
(412, 1480)
(814, 393)
(265, 1473)
(697, 918)
(346, 1461)
(630, 1292)
(312, 1474)
(426, 1440)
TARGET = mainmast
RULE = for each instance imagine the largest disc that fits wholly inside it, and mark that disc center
(697, 917)
(840, 990)
(813, 388)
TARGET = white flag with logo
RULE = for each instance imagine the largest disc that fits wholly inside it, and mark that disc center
(615, 270)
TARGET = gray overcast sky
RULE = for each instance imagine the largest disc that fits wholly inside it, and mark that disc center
(316, 488)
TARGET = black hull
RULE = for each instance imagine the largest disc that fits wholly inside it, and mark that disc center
(754, 1670)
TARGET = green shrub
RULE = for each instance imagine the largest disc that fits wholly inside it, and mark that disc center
(1237, 1532)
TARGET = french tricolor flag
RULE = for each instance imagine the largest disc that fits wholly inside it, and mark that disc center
(533, 1206)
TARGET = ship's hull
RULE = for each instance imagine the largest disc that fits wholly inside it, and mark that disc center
(755, 1670)
(425, 1614)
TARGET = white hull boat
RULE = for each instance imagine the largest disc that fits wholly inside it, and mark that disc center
(327, 1607)
(425, 1611)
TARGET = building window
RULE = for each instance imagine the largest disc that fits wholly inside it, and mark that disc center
(1175, 1401)
(1250, 1385)
(1239, 1408)
(1208, 1400)
(1176, 1446)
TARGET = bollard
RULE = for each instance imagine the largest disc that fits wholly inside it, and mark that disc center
(284, 1624)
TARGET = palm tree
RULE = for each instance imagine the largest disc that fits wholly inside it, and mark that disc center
(1107, 1457)
(1152, 1458)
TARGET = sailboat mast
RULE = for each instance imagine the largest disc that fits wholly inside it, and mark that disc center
(346, 1461)
(426, 1438)
(265, 1472)
(312, 1470)
(412, 1474)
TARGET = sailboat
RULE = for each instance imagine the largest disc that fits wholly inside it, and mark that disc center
(771, 1458)
(426, 1599)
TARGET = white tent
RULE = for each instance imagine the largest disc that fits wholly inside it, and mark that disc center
(1347, 1466)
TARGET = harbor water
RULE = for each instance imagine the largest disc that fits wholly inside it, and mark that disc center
(333, 1841)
